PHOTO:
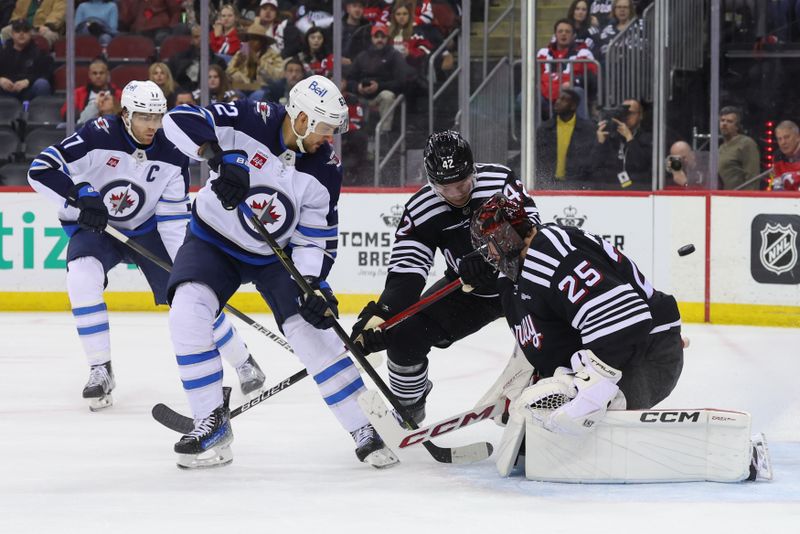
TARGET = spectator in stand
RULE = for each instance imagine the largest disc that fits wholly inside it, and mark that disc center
(106, 103)
(219, 86)
(224, 38)
(623, 153)
(185, 65)
(99, 82)
(24, 68)
(316, 55)
(563, 144)
(98, 18)
(378, 74)
(184, 96)
(739, 159)
(355, 142)
(257, 65)
(278, 91)
(404, 37)
(623, 16)
(153, 18)
(787, 163)
(162, 76)
(378, 11)
(688, 168)
(600, 12)
(585, 31)
(311, 13)
(556, 75)
(355, 30)
(288, 39)
(46, 18)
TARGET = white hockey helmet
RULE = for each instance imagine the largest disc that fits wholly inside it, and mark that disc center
(320, 99)
(141, 97)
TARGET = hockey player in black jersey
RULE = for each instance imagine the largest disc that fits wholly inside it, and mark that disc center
(582, 313)
(438, 217)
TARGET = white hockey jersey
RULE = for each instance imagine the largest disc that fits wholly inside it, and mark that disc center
(142, 187)
(296, 195)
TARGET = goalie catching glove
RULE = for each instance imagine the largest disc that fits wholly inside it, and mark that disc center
(320, 309)
(366, 333)
(572, 402)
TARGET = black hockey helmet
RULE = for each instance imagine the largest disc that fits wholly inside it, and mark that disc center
(448, 158)
(498, 229)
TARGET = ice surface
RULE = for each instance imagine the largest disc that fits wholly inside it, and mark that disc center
(64, 469)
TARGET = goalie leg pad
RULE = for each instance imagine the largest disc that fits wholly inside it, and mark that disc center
(645, 446)
(510, 446)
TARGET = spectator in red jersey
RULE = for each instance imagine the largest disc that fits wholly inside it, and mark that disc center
(153, 18)
(224, 38)
(404, 37)
(377, 11)
(787, 163)
(316, 56)
(555, 75)
(99, 82)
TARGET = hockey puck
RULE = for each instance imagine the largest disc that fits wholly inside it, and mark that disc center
(685, 250)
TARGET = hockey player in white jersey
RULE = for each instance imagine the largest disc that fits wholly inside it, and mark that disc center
(122, 171)
(279, 162)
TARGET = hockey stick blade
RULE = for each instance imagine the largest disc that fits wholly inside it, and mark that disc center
(399, 438)
(180, 423)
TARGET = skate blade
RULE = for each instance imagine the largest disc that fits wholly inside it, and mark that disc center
(381, 459)
(215, 457)
(98, 403)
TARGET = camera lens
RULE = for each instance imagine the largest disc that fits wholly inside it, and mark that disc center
(675, 164)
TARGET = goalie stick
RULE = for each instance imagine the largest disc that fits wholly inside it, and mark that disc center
(440, 454)
(400, 438)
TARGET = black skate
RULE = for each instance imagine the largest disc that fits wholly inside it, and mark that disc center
(98, 388)
(209, 444)
(415, 409)
(251, 377)
(370, 448)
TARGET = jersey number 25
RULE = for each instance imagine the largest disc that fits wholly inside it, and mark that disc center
(572, 286)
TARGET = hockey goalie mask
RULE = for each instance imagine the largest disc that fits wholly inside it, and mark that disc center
(498, 229)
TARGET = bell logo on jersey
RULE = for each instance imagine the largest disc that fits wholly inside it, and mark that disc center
(112, 161)
(258, 160)
(526, 333)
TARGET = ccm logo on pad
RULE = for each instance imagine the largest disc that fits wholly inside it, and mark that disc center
(669, 417)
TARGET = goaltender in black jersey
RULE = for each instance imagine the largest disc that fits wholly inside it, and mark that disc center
(438, 217)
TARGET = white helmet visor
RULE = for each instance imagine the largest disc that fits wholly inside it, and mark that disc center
(324, 128)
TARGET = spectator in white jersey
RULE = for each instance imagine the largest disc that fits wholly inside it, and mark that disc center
(123, 172)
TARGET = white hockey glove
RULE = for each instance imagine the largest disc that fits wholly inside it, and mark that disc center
(596, 386)
(538, 402)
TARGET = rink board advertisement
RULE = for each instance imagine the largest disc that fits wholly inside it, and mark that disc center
(753, 249)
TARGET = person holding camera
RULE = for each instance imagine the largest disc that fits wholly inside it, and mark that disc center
(687, 167)
(378, 73)
(623, 149)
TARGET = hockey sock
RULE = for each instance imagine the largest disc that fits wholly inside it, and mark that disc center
(337, 378)
(191, 324)
(408, 382)
(229, 344)
(85, 277)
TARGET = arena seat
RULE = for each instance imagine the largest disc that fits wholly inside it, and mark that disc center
(130, 48)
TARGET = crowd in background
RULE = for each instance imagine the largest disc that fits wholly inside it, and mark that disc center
(259, 49)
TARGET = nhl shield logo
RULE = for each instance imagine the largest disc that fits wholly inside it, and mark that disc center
(778, 250)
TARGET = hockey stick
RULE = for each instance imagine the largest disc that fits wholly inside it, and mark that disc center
(473, 452)
(384, 422)
(180, 423)
(119, 236)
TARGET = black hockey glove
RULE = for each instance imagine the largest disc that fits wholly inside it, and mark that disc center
(233, 182)
(94, 215)
(366, 333)
(321, 309)
(475, 271)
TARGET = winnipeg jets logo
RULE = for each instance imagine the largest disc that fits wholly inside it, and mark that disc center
(121, 202)
(274, 209)
(123, 199)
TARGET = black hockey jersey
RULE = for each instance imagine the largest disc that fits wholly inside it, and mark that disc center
(577, 291)
(430, 223)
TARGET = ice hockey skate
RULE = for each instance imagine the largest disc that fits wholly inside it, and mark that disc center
(415, 409)
(98, 388)
(370, 448)
(209, 444)
(761, 465)
(251, 377)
